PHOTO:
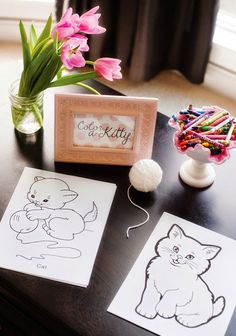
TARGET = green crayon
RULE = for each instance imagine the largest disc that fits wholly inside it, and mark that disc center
(203, 128)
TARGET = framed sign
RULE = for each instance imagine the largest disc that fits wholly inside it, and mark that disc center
(104, 129)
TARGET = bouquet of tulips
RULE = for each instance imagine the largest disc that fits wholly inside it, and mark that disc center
(48, 58)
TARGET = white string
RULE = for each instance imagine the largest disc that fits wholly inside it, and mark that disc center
(139, 207)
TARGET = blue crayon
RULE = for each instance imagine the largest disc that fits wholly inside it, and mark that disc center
(201, 111)
(197, 114)
(192, 144)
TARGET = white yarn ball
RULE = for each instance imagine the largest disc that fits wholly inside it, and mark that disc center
(145, 175)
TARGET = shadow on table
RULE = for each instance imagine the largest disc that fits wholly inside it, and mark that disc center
(31, 146)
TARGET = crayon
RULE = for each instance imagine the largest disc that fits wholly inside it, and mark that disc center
(215, 117)
(216, 128)
(217, 136)
(184, 112)
(195, 111)
(205, 139)
(192, 144)
(202, 128)
(197, 114)
(215, 151)
(196, 121)
(218, 121)
(224, 142)
(185, 142)
(230, 132)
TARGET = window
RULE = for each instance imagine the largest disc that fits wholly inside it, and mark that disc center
(224, 50)
(221, 72)
(27, 10)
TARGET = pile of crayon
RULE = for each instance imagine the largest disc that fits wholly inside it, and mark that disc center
(210, 126)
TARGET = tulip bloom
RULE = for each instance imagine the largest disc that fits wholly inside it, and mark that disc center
(45, 60)
(71, 52)
(108, 68)
(88, 22)
(71, 24)
(67, 26)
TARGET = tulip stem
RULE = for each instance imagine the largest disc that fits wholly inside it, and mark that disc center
(89, 62)
(88, 87)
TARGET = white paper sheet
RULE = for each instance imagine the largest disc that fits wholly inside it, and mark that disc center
(183, 282)
(53, 225)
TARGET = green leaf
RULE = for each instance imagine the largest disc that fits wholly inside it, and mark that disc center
(73, 79)
(31, 74)
(39, 46)
(40, 63)
(56, 43)
(47, 74)
(37, 114)
(33, 38)
(59, 73)
(25, 46)
(46, 30)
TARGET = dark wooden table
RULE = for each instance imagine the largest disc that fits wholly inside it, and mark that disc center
(33, 306)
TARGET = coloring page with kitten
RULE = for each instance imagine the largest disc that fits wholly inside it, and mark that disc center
(53, 225)
(184, 282)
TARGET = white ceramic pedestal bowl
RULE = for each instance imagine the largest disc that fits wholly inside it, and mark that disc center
(198, 171)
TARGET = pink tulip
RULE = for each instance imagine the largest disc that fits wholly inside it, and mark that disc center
(81, 41)
(108, 68)
(67, 26)
(71, 52)
(88, 22)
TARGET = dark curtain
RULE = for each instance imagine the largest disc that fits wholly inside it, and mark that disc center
(153, 35)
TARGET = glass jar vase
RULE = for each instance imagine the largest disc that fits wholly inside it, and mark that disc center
(27, 113)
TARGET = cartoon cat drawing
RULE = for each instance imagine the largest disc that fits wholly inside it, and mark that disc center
(174, 287)
(48, 197)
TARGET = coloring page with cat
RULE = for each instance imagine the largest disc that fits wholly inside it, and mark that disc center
(53, 225)
(182, 283)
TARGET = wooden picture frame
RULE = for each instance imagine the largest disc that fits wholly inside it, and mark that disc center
(116, 130)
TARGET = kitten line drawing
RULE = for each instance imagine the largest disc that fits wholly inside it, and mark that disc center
(48, 197)
(174, 287)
